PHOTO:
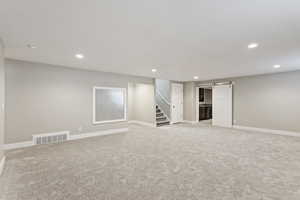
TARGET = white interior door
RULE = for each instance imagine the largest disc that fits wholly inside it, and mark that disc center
(177, 103)
(222, 105)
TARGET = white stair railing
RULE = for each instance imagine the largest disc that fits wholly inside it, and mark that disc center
(163, 104)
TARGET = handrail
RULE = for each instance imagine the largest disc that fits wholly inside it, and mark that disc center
(163, 98)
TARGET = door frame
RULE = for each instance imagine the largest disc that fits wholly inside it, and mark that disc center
(171, 112)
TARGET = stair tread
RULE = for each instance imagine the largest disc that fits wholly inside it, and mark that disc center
(162, 117)
(162, 122)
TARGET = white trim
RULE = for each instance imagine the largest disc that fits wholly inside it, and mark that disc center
(109, 121)
(124, 90)
(197, 103)
(2, 163)
(17, 145)
(98, 133)
(142, 123)
(271, 131)
(190, 122)
(71, 137)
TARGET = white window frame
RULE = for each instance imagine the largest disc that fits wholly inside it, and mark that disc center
(124, 90)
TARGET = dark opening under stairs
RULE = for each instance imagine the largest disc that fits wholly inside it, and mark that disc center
(161, 119)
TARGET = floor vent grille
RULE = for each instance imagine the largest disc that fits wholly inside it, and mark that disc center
(50, 138)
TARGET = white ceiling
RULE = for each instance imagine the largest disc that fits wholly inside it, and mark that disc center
(181, 38)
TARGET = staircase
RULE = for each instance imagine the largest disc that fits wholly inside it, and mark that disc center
(161, 119)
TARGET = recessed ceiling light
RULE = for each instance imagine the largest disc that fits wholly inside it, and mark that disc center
(196, 77)
(154, 70)
(79, 56)
(252, 45)
(31, 46)
(276, 66)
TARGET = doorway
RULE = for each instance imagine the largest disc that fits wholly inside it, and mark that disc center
(177, 102)
(204, 102)
(214, 104)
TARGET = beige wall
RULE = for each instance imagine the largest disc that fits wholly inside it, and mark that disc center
(267, 101)
(130, 101)
(44, 98)
(141, 102)
(2, 97)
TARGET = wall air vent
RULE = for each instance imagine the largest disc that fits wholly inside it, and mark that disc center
(50, 138)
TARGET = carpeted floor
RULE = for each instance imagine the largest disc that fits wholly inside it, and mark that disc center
(184, 162)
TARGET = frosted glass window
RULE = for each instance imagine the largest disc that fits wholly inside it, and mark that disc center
(109, 105)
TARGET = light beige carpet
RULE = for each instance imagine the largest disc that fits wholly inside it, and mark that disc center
(181, 162)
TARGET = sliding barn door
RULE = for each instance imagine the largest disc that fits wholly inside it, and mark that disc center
(222, 105)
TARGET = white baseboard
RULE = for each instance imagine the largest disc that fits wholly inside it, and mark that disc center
(17, 145)
(272, 131)
(190, 122)
(72, 137)
(98, 133)
(142, 123)
(2, 163)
